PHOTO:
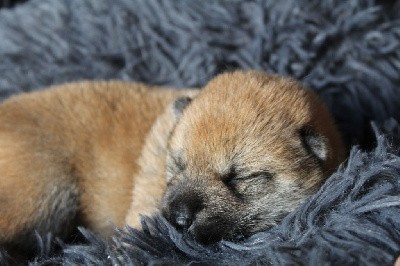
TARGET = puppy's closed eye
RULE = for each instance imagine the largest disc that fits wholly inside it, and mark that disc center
(232, 179)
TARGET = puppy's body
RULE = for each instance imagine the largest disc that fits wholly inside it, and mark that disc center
(230, 162)
(72, 152)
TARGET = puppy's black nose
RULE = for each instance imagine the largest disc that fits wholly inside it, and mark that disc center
(182, 209)
(183, 217)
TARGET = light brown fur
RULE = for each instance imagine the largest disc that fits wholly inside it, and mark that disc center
(74, 147)
(244, 153)
(100, 151)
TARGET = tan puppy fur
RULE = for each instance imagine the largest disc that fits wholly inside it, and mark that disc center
(244, 153)
(72, 152)
(230, 162)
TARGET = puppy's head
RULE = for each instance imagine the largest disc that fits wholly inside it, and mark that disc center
(244, 153)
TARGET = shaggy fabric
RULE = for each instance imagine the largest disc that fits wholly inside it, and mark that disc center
(347, 51)
(10, 3)
(353, 219)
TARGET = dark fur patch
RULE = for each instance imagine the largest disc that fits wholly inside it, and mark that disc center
(179, 105)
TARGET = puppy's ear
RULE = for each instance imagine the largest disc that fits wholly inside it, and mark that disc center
(314, 143)
(179, 105)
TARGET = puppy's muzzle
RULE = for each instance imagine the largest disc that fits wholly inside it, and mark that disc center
(181, 207)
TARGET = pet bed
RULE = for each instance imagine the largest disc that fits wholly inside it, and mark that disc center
(347, 51)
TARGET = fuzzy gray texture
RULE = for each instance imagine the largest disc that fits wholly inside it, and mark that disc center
(352, 220)
(347, 51)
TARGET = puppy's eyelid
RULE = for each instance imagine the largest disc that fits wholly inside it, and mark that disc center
(232, 178)
(235, 179)
(265, 174)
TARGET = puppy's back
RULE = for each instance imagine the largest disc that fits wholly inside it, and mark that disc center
(71, 152)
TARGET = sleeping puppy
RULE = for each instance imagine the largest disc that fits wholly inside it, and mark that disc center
(226, 162)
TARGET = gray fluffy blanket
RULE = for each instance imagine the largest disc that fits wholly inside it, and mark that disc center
(347, 51)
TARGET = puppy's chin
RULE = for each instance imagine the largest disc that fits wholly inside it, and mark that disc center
(210, 232)
(216, 229)
(205, 236)
(235, 229)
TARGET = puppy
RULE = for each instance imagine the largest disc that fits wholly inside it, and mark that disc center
(225, 163)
